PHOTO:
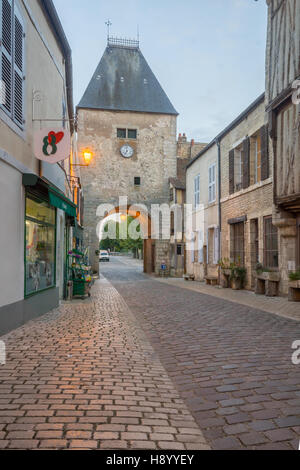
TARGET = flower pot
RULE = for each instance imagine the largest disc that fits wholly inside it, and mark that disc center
(225, 278)
(236, 284)
(227, 272)
(294, 284)
(271, 276)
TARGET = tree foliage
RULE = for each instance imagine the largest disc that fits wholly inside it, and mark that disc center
(117, 244)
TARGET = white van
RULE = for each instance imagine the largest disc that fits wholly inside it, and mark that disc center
(104, 256)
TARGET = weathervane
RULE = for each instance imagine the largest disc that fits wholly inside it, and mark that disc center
(108, 24)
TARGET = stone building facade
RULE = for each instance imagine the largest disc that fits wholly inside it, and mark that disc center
(129, 124)
(283, 109)
(230, 186)
(203, 196)
(37, 74)
(186, 151)
(247, 234)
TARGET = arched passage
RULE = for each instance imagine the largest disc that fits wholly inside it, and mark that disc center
(141, 214)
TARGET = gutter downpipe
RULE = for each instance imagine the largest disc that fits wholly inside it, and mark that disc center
(219, 201)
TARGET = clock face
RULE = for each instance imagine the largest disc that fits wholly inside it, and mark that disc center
(127, 151)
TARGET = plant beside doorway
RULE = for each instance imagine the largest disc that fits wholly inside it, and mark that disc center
(260, 269)
(238, 275)
(294, 276)
(225, 266)
(234, 274)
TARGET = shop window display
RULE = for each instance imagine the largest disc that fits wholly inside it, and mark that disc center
(40, 225)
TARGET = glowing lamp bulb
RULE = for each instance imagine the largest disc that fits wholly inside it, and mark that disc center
(87, 156)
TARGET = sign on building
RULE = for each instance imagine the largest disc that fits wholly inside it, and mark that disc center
(52, 145)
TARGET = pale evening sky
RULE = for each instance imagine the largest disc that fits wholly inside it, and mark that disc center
(208, 55)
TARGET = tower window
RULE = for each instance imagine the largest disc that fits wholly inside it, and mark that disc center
(121, 133)
(132, 133)
(127, 134)
(137, 181)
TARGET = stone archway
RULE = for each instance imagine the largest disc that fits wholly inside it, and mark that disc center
(137, 212)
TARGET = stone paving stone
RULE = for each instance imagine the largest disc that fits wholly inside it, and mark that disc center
(229, 357)
(86, 377)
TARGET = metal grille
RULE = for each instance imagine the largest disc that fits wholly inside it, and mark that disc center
(271, 244)
(238, 251)
(121, 42)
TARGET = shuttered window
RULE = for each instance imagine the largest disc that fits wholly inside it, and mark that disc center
(201, 247)
(246, 163)
(212, 183)
(265, 163)
(197, 192)
(12, 60)
(216, 246)
(231, 172)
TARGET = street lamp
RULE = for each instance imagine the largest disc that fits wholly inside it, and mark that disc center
(87, 155)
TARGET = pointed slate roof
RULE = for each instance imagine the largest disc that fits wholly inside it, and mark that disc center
(123, 81)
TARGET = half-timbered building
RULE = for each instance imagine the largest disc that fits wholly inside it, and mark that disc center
(282, 71)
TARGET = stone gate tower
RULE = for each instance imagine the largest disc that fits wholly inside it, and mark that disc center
(127, 120)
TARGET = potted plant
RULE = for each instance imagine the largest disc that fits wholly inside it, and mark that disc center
(294, 280)
(294, 286)
(266, 274)
(295, 276)
(224, 265)
(238, 276)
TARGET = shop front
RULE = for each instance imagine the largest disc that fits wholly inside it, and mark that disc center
(49, 220)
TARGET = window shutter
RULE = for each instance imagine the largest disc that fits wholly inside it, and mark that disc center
(193, 251)
(246, 164)
(265, 165)
(231, 172)
(216, 245)
(18, 68)
(6, 52)
(200, 248)
(214, 182)
(207, 246)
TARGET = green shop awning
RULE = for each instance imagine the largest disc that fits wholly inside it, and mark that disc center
(56, 198)
(61, 202)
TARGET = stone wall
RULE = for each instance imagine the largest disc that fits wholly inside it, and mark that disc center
(186, 149)
(111, 176)
(253, 203)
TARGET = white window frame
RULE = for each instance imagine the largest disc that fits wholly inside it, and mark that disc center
(201, 247)
(256, 159)
(197, 192)
(6, 115)
(238, 169)
(212, 183)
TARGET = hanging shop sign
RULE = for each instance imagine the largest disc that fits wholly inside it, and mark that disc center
(52, 145)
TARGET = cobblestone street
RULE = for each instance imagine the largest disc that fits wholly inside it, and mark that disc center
(230, 362)
(85, 377)
(175, 364)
